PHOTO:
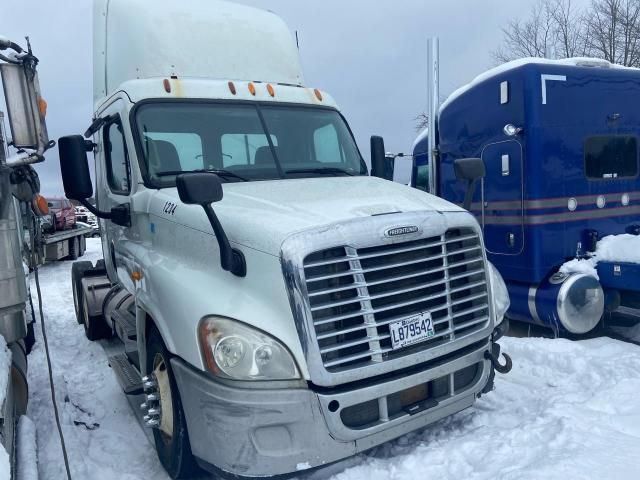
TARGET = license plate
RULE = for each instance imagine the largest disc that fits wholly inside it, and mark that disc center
(411, 330)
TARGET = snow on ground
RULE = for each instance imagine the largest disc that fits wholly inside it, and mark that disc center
(103, 438)
(568, 410)
(614, 248)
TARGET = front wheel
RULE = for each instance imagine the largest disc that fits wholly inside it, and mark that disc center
(170, 432)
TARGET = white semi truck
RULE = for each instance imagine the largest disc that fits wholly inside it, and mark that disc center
(278, 308)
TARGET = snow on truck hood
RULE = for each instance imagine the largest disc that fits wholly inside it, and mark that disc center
(261, 215)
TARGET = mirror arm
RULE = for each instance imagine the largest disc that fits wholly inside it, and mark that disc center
(468, 196)
(119, 215)
(232, 260)
(94, 210)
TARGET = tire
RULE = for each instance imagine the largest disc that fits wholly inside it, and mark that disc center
(78, 269)
(174, 451)
(30, 339)
(74, 248)
(95, 328)
(82, 246)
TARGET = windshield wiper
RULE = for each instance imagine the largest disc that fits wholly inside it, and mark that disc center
(220, 173)
(321, 171)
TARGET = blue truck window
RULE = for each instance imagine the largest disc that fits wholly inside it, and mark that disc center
(611, 156)
(422, 177)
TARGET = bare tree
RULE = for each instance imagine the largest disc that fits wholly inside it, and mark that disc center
(422, 122)
(554, 29)
(614, 31)
(533, 37)
(571, 34)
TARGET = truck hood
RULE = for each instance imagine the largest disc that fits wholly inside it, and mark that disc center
(261, 215)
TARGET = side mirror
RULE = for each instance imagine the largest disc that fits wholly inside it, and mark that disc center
(471, 170)
(25, 107)
(199, 188)
(381, 166)
(75, 167)
(204, 189)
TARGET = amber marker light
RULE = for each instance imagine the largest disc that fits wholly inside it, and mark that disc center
(40, 205)
(252, 89)
(136, 276)
(318, 94)
(271, 90)
(42, 107)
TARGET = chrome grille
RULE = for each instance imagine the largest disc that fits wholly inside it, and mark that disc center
(354, 294)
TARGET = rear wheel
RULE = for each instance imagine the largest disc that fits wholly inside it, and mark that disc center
(74, 248)
(78, 269)
(170, 435)
(95, 328)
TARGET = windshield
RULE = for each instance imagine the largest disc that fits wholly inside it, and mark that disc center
(245, 142)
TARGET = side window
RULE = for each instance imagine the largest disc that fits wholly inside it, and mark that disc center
(422, 178)
(327, 145)
(611, 157)
(117, 159)
(240, 149)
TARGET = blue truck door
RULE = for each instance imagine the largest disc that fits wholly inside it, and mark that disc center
(502, 198)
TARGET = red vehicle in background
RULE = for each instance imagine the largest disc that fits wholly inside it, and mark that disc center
(63, 214)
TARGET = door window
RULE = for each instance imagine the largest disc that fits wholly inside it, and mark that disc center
(422, 177)
(117, 159)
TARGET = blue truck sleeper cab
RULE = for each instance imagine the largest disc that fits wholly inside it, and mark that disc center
(559, 140)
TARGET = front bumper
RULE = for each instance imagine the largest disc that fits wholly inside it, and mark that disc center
(271, 432)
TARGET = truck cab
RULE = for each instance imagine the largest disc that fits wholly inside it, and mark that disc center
(559, 142)
(279, 309)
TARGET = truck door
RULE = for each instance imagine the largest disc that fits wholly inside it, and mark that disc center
(113, 188)
(502, 198)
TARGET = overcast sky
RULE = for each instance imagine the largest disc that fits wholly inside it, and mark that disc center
(370, 55)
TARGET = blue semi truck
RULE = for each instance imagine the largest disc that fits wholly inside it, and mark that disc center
(558, 142)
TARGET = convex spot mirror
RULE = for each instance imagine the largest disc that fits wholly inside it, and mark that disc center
(25, 107)
(75, 167)
(199, 188)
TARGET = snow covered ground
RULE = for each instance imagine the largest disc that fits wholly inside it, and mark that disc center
(568, 410)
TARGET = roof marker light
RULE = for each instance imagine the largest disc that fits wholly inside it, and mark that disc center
(167, 85)
(271, 90)
(318, 94)
(232, 88)
(252, 89)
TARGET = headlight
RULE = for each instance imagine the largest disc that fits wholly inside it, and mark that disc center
(501, 301)
(239, 352)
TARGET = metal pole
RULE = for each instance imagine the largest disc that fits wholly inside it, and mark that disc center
(6, 198)
(434, 105)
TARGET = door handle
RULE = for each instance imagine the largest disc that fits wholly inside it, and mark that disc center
(506, 165)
